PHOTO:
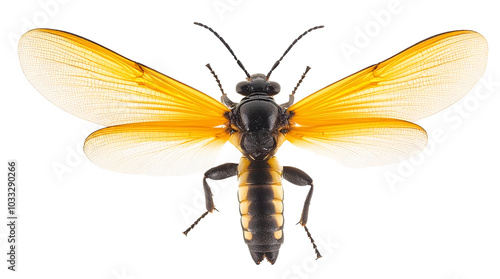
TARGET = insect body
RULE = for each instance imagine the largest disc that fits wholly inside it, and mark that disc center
(157, 125)
(257, 125)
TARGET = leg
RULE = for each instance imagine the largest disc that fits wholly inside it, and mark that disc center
(226, 101)
(224, 98)
(300, 178)
(291, 97)
(217, 173)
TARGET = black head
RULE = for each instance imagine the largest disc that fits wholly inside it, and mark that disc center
(258, 83)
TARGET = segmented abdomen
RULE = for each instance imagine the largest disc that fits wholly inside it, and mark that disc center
(261, 207)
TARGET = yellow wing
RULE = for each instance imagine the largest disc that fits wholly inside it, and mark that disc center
(363, 141)
(417, 82)
(163, 127)
(411, 85)
(156, 148)
(99, 85)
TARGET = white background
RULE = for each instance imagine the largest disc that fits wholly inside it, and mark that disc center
(438, 219)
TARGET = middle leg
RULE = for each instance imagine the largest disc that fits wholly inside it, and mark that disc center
(216, 173)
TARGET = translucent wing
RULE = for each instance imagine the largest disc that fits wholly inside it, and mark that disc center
(411, 85)
(99, 85)
(355, 120)
(163, 127)
(156, 148)
(363, 141)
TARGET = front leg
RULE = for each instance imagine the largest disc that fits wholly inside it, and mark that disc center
(300, 178)
(216, 173)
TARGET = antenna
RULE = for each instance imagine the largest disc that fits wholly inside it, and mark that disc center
(227, 46)
(288, 49)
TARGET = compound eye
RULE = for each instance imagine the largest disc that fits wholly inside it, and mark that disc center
(273, 88)
(244, 88)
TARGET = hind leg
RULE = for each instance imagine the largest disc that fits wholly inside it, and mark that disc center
(300, 178)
